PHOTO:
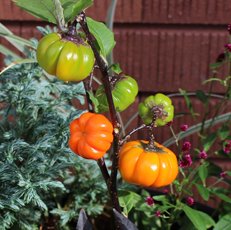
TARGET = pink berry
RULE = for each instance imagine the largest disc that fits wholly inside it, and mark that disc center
(190, 201)
(223, 174)
(184, 127)
(186, 161)
(228, 47)
(229, 28)
(203, 155)
(149, 200)
(186, 146)
(158, 213)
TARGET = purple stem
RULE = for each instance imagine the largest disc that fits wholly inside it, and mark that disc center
(112, 184)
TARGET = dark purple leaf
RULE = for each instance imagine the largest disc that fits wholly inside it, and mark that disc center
(124, 223)
(83, 222)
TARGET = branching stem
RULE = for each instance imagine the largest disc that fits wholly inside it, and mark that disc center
(111, 180)
(126, 137)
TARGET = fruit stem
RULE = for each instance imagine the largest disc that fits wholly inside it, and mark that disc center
(151, 138)
(157, 111)
(71, 34)
(100, 162)
(127, 136)
(72, 29)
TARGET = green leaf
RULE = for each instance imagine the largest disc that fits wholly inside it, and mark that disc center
(128, 200)
(200, 220)
(195, 128)
(43, 9)
(202, 96)
(213, 169)
(72, 7)
(59, 14)
(203, 191)
(209, 141)
(94, 101)
(116, 68)
(103, 36)
(216, 65)
(54, 11)
(160, 198)
(65, 215)
(188, 102)
(203, 173)
(224, 223)
(222, 196)
(185, 223)
(224, 132)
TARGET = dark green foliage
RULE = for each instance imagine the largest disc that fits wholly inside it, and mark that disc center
(53, 10)
(40, 178)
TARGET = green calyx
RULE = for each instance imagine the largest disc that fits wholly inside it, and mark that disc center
(157, 109)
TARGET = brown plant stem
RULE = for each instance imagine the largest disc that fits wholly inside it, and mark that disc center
(104, 171)
(100, 162)
(127, 136)
(87, 86)
(112, 183)
(151, 138)
(102, 66)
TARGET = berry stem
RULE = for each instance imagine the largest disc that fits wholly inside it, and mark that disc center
(127, 136)
(151, 137)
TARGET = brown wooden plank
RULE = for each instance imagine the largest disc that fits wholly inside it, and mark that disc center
(126, 11)
(186, 11)
(167, 59)
(161, 59)
(148, 11)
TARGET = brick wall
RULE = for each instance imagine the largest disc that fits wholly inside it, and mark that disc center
(165, 44)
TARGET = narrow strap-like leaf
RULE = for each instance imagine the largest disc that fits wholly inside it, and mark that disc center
(18, 62)
(16, 41)
(5, 51)
(59, 14)
(193, 129)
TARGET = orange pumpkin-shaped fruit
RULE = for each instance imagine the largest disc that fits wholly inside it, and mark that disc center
(149, 167)
(90, 135)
